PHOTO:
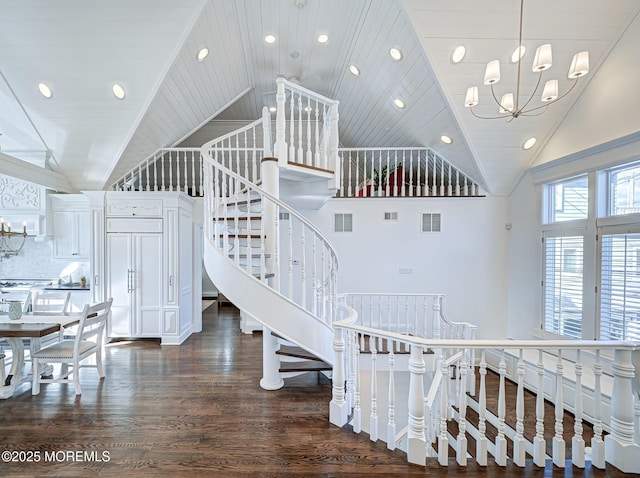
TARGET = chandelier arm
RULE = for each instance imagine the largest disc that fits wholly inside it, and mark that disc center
(495, 99)
(575, 82)
(542, 109)
(507, 116)
(522, 110)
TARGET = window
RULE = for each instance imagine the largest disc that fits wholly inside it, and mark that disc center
(343, 222)
(563, 285)
(620, 287)
(431, 222)
(624, 190)
(568, 200)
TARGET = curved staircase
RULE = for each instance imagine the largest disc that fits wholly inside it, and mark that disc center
(261, 253)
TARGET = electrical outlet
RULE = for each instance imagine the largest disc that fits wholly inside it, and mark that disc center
(296, 262)
(405, 270)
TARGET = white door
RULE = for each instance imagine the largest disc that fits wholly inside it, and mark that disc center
(147, 284)
(119, 283)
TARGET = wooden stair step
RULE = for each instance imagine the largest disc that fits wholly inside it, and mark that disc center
(298, 352)
(239, 218)
(267, 275)
(245, 256)
(307, 166)
(242, 202)
(307, 366)
(241, 236)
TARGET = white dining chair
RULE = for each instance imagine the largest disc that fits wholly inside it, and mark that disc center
(87, 342)
(50, 301)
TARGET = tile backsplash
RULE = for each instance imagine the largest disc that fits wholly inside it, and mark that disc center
(34, 262)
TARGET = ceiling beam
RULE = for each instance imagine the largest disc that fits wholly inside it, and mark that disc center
(24, 171)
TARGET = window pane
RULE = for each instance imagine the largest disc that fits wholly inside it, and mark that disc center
(624, 191)
(563, 285)
(569, 199)
(620, 287)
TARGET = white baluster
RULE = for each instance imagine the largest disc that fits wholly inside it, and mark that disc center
(410, 174)
(558, 439)
(501, 442)
(357, 183)
(162, 171)
(461, 442)
(597, 443)
(314, 275)
(443, 440)
(391, 423)
(292, 123)
(309, 158)
(395, 169)
(434, 189)
(577, 442)
(539, 443)
(386, 186)
(481, 442)
(357, 410)
(290, 286)
(317, 137)
(449, 188)
(418, 184)
(466, 188)
(280, 147)
(373, 418)
(403, 189)
(441, 177)
(201, 169)
(415, 435)
(177, 188)
(300, 157)
(335, 140)
(519, 442)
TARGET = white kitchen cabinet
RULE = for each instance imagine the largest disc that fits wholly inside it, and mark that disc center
(72, 235)
(134, 280)
(71, 226)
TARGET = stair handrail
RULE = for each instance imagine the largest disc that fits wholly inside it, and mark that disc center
(493, 354)
(325, 306)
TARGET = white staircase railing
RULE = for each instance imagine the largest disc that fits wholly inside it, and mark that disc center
(262, 235)
(401, 172)
(596, 381)
(306, 128)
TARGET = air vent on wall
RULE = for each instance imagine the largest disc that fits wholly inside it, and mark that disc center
(284, 216)
(391, 216)
(343, 222)
(431, 222)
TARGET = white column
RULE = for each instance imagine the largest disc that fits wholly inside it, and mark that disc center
(338, 406)
(620, 448)
(416, 438)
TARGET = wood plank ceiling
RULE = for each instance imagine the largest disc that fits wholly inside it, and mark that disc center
(149, 46)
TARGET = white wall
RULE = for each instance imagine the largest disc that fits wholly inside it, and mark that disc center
(467, 261)
(524, 290)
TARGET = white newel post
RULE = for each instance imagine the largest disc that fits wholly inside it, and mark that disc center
(620, 448)
(416, 437)
(338, 406)
(266, 132)
(280, 147)
(271, 379)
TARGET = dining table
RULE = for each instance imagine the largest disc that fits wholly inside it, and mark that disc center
(34, 327)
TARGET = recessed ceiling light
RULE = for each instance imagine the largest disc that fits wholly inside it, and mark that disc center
(323, 38)
(273, 109)
(202, 54)
(399, 103)
(270, 39)
(528, 144)
(458, 54)
(118, 91)
(446, 139)
(518, 53)
(354, 70)
(396, 53)
(45, 90)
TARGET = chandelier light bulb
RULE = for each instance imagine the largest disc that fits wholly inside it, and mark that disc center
(542, 60)
(550, 91)
(579, 65)
(492, 73)
(472, 97)
(506, 103)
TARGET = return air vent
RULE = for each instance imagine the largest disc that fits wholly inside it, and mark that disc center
(343, 222)
(284, 216)
(431, 222)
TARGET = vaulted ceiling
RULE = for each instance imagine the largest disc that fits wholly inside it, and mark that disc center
(80, 49)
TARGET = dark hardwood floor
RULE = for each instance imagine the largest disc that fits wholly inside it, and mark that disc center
(198, 410)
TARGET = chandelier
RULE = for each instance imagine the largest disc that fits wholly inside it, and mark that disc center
(11, 242)
(511, 106)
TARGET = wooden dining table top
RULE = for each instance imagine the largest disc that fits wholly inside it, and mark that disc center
(10, 330)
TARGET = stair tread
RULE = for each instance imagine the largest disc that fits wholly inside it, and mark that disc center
(307, 366)
(298, 352)
(267, 275)
(256, 255)
(242, 235)
(239, 218)
(240, 202)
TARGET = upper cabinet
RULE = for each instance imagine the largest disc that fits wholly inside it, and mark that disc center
(71, 226)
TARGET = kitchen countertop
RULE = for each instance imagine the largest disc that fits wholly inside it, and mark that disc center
(67, 287)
